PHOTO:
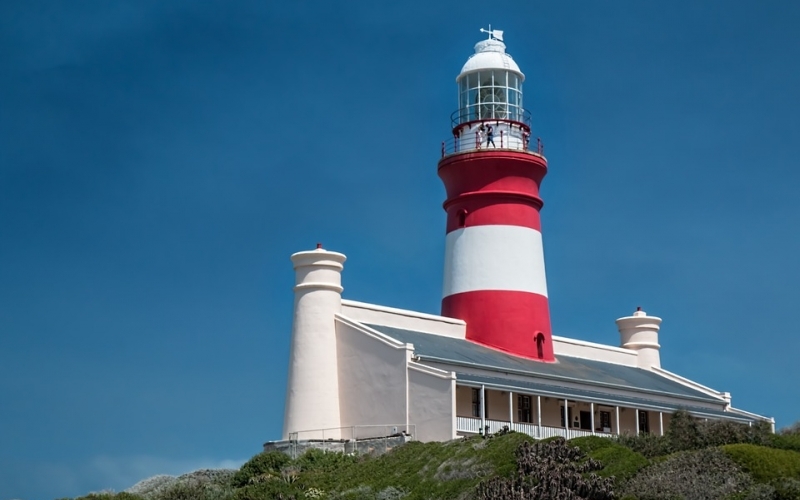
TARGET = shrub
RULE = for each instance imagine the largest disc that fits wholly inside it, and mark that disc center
(319, 460)
(618, 461)
(275, 489)
(683, 432)
(111, 496)
(792, 429)
(649, 445)
(589, 444)
(263, 463)
(696, 475)
(549, 470)
(722, 432)
(765, 464)
(195, 490)
(786, 488)
(785, 441)
(687, 433)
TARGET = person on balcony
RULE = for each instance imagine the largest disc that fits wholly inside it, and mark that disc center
(489, 135)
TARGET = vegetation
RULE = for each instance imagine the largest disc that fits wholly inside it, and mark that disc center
(765, 464)
(695, 460)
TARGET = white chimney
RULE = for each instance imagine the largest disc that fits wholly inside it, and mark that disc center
(640, 333)
(312, 389)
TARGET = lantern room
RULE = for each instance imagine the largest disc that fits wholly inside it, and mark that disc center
(490, 111)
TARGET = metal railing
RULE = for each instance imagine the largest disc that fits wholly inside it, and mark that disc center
(476, 141)
(354, 432)
(473, 425)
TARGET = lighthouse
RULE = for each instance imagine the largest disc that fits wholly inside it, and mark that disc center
(494, 274)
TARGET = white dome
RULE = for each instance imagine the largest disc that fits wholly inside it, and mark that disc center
(490, 54)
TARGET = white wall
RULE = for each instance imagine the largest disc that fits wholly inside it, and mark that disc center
(563, 346)
(432, 403)
(372, 376)
(404, 319)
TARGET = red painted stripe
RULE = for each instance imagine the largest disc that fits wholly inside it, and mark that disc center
(501, 171)
(491, 210)
(504, 320)
(493, 188)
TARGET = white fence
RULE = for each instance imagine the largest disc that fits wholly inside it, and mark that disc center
(473, 426)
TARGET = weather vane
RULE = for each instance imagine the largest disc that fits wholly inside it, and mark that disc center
(496, 34)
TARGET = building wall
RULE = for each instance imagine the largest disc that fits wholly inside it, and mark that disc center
(401, 318)
(627, 421)
(464, 401)
(563, 346)
(431, 403)
(497, 405)
(551, 412)
(372, 377)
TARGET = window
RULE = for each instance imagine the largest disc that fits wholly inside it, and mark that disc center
(462, 218)
(476, 402)
(540, 345)
(490, 95)
(524, 409)
(605, 421)
(563, 423)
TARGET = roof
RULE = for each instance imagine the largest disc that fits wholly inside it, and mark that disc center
(567, 369)
(490, 54)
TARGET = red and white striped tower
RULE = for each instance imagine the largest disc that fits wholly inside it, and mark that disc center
(494, 276)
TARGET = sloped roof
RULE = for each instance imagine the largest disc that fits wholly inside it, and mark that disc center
(567, 368)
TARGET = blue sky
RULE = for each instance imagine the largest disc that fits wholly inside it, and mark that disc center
(160, 161)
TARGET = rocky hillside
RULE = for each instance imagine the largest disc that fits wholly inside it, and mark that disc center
(695, 460)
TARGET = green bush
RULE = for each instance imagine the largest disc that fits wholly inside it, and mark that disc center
(618, 461)
(785, 441)
(792, 429)
(194, 490)
(263, 463)
(649, 445)
(274, 489)
(319, 460)
(698, 475)
(110, 496)
(786, 488)
(589, 444)
(722, 432)
(549, 470)
(683, 432)
(765, 464)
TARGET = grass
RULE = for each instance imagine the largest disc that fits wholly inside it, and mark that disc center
(424, 470)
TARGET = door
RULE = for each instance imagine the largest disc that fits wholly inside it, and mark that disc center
(586, 420)
(644, 425)
(524, 409)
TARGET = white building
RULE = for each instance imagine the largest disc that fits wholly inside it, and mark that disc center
(360, 370)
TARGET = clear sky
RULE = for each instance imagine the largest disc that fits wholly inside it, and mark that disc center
(160, 161)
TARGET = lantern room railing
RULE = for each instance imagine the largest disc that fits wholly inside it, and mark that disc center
(508, 136)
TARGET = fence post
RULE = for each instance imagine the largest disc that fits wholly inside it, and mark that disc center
(501, 139)
(442, 149)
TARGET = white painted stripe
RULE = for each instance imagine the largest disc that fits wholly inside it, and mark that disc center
(494, 258)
